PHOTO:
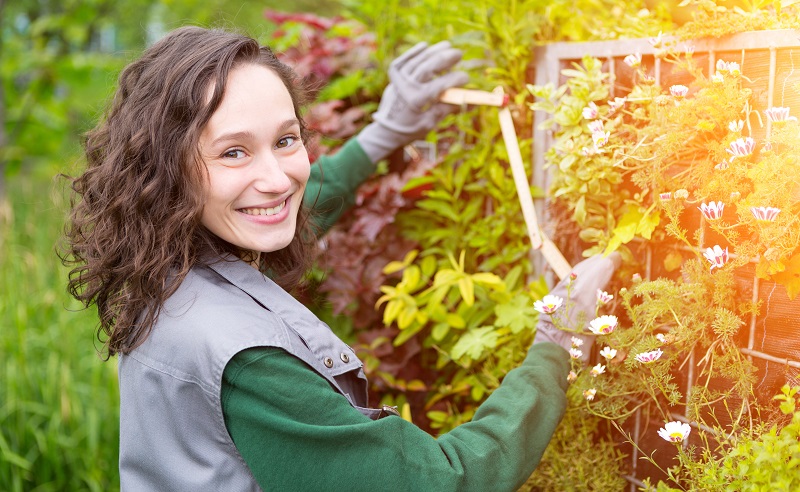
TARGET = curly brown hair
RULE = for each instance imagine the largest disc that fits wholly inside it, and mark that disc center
(134, 230)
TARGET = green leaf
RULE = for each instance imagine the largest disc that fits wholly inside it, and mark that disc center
(475, 342)
(518, 314)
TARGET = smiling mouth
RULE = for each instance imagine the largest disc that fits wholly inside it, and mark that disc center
(263, 211)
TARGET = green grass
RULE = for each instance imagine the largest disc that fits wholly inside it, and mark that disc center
(59, 402)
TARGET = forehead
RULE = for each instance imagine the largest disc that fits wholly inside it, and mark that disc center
(254, 95)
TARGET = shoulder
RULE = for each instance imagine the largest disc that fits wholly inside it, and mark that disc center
(209, 319)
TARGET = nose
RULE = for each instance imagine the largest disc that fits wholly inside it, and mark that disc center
(270, 176)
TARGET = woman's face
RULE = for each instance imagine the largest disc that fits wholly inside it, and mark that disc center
(257, 164)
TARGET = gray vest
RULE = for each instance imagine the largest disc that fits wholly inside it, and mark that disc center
(172, 432)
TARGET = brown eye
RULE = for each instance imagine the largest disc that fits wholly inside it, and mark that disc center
(233, 154)
(286, 141)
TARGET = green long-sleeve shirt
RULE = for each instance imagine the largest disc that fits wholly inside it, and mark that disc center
(341, 174)
(295, 432)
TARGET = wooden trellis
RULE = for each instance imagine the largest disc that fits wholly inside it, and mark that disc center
(771, 62)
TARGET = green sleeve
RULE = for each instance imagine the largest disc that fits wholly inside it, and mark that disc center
(332, 185)
(295, 432)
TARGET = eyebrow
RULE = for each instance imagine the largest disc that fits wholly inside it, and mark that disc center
(244, 135)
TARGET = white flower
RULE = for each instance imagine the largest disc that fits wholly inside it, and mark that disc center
(548, 305)
(591, 112)
(603, 297)
(716, 256)
(572, 376)
(576, 342)
(766, 214)
(588, 152)
(679, 91)
(597, 370)
(575, 353)
(649, 357)
(723, 165)
(600, 139)
(589, 394)
(633, 60)
(712, 211)
(718, 78)
(661, 338)
(742, 147)
(681, 194)
(675, 431)
(779, 115)
(603, 325)
(736, 126)
(595, 126)
(608, 353)
(732, 68)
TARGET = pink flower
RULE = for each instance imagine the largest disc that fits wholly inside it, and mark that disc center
(591, 112)
(603, 325)
(633, 60)
(742, 147)
(716, 256)
(589, 394)
(765, 214)
(649, 357)
(679, 91)
(665, 197)
(572, 376)
(603, 297)
(712, 211)
(575, 353)
(779, 115)
(722, 165)
(675, 431)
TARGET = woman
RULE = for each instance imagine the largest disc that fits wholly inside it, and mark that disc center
(187, 231)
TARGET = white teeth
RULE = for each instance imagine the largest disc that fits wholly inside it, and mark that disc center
(264, 211)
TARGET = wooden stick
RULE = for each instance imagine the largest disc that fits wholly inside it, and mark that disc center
(498, 98)
(459, 96)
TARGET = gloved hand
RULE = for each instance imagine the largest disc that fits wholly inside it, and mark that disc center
(591, 274)
(409, 107)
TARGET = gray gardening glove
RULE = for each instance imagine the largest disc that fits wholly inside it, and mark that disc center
(409, 107)
(591, 274)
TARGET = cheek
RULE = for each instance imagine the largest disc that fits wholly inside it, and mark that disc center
(301, 167)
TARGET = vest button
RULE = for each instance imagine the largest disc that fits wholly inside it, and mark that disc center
(345, 358)
(328, 362)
